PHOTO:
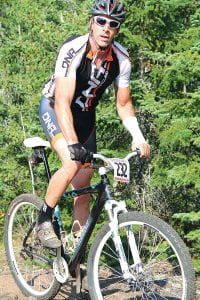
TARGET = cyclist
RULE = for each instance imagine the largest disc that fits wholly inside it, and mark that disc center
(86, 65)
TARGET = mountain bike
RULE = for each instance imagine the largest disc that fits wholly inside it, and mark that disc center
(133, 256)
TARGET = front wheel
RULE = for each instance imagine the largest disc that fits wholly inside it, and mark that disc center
(30, 263)
(166, 272)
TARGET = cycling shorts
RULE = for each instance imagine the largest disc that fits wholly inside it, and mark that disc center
(84, 125)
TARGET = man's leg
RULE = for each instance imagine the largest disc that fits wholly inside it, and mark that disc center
(81, 203)
(61, 178)
(57, 185)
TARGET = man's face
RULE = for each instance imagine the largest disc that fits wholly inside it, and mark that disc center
(104, 30)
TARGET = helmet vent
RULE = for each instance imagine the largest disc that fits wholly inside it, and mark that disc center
(112, 8)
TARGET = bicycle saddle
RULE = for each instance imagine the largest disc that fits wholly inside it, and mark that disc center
(35, 142)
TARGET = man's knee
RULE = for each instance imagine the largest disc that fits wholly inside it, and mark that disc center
(82, 178)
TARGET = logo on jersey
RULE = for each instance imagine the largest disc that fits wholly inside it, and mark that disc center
(67, 60)
(97, 78)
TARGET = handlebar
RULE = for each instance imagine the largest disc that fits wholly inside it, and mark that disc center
(38, 146)
(120, 166)
(109, 161)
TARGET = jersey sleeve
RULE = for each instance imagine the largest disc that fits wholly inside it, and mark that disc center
(65, 63)
(123, 79)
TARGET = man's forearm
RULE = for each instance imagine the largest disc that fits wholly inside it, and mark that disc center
(131, 124)
(127, 114)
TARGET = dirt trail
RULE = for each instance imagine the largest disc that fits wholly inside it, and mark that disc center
(10, 291)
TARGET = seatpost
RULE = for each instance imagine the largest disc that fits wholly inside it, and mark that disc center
(46, 165)
(39, 156)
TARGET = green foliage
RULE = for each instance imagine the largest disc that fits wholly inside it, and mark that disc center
(192, 217)
(188, 225)
(108, 120)
(158, 22)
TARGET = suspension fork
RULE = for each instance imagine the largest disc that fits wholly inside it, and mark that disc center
(113, 208)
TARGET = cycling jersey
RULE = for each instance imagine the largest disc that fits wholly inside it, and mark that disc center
(75, 60)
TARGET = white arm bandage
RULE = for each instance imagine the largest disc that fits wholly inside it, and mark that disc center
(131, 124)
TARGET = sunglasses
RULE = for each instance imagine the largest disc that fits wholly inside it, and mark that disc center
(102, 21)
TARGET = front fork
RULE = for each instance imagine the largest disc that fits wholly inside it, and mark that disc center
(113, 208)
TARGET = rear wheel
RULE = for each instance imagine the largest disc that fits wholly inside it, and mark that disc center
(167, 271)
(30, 263)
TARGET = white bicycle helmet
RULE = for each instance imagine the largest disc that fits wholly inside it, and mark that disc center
(111, 8)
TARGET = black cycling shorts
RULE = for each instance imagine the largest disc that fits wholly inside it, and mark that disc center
(84, 124)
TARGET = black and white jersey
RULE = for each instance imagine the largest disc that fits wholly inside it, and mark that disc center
(75, 60)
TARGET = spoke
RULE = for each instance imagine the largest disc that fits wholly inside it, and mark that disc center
(112, 278)
(21, 221)
(162, 297)
(158, 255)
(149, 265)
(19, 225)
(154, 246)
(142, 242)
(126, 288)
(113, 270)
(127, 235)
(157, 245)
(114, 253)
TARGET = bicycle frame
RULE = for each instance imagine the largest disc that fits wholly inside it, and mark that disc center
(102, 188)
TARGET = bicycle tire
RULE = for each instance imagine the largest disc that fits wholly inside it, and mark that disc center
(30, 263)
(167, 266)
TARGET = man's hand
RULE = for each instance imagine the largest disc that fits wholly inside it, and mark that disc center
(79, 153)
(144, 148)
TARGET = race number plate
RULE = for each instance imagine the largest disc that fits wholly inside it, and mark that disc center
(121, 170)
